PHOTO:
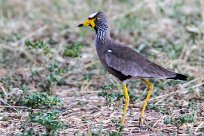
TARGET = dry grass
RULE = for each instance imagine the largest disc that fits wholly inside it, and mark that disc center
(168, 32)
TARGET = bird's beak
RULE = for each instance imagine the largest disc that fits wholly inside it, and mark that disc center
(89, 22)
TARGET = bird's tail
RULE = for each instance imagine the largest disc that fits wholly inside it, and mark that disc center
(179, 77)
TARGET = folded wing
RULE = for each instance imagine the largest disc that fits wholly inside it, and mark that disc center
(129, 62)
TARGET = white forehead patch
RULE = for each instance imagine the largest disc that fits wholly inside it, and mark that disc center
(92, 15)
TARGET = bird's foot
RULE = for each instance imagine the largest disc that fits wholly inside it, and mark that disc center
(123, 121)
(141, 120)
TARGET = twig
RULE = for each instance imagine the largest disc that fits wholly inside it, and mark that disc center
(1, 100)
(87, 85)
(197, 85)
(160, 119)
(199, 126)
(191, 81)
(41, 29)
(4, 91)
(21, 50)
(166, 95)
(202, 11)
(91, 64)
(9, 106)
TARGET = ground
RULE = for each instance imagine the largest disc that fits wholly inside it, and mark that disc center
(43, 50)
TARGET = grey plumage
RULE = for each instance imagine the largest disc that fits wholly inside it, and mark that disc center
(122, 61)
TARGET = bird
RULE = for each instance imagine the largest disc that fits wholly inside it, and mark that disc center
(125, 63)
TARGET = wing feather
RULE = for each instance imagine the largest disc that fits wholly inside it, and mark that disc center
(129, 62)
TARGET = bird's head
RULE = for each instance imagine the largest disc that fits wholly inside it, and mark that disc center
(96, 20)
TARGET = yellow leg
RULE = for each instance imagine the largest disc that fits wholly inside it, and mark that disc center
(150, 88)
(126, 103)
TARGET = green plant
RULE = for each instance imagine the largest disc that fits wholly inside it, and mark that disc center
(54, 77)
(101, 132)
(118, 125)
(202, 130)
(73, 51)
(173, 51)
(50, 120)
(111, 96)
(182, 119)
(39, 100)
(39, 44)
(114, 96)
(8, 82)
(113, 133)
(46, 115)
(29, 132)
(55, 72)
(158, 108)
(109, 86)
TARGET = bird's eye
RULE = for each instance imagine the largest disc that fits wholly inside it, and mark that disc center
(97, 18)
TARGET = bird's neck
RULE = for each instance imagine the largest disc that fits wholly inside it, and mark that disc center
(102, 33)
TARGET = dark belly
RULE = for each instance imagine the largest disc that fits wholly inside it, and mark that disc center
(114, 72)
(101, 51)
